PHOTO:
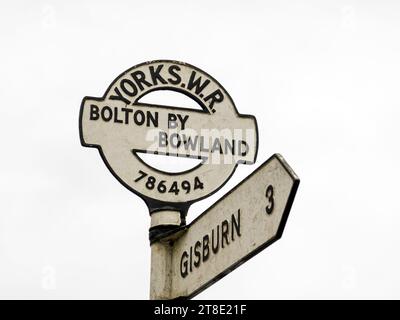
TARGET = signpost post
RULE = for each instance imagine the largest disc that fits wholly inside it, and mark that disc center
(187, 259)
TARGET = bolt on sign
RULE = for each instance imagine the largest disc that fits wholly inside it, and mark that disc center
(186, 259)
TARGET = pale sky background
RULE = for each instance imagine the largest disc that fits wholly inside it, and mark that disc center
(322, 79)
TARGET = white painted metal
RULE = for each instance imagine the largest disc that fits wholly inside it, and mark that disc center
(161, 271)
(108, 123)
(165, 217)
(241, 224)
(251, 201)
(144, 138)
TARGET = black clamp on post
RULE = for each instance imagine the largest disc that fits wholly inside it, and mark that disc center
(167, 220)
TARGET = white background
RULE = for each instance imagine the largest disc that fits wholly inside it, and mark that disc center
(322, 80)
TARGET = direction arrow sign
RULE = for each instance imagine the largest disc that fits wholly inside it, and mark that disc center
(245, 221)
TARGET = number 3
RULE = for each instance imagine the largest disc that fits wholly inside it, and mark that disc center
(270, 196)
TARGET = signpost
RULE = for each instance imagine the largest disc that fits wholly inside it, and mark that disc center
(187, 259)
(120, 127)
(241, 224)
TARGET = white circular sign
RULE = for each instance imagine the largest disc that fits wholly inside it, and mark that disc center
(120, 127)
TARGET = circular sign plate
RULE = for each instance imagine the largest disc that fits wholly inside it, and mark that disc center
(120, 127)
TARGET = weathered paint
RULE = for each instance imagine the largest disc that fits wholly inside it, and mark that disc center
(248, 219)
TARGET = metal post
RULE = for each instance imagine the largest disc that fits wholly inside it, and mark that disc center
(163, 231)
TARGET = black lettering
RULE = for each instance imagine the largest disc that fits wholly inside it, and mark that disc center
(107, 117)
(176, 77)
(172, 124)
(184, 264)
(140, 79)
(94, 112)
(155, 74)
(138, 117)
(216, 146)
(119, 96)
(216, 96)
(127, 112)
(178, 140)
(129, 87)
(197, 254)
(162, 139)
(269, 193)
(203, 148)
(206, 249)
(196, 83)
(183, 120)
(191, 258)
(235, 225)
(224, 233)
(152, 118)
(246, 148)
(116, 120)
(229, 145)
(215, 242)
(189, 143)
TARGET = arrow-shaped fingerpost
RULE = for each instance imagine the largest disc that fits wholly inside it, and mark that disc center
(241, 224)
